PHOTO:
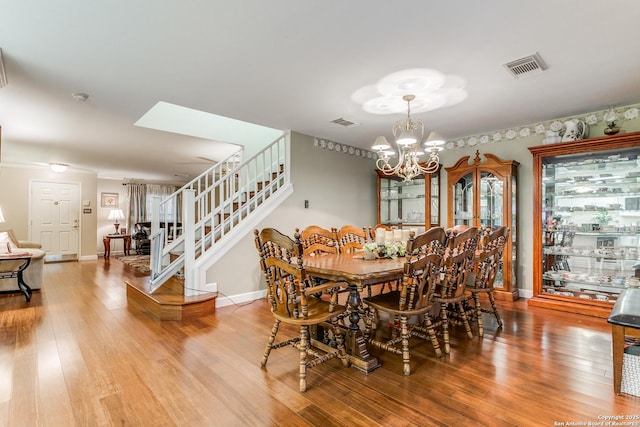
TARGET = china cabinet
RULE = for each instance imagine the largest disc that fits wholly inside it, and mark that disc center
(483, 194)
(414, 204)
(586, 222)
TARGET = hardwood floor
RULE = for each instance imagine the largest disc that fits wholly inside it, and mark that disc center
(78, 356)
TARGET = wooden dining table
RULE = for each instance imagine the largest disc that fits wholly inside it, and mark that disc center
(358, 273)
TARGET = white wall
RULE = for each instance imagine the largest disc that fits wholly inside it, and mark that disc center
(341, 189)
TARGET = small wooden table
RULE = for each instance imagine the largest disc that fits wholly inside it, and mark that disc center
(358, 273)
(13, 266)
(107, 243)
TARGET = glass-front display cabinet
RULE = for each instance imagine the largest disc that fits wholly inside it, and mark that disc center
(483, 194)
(586, 222)
(413, 204)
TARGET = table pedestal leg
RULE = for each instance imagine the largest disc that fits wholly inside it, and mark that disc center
(107, 246)
(354, 341)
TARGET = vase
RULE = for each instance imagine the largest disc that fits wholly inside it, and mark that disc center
(369, 255)
(574, 130)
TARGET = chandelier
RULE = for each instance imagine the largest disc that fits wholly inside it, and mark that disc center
(408, 135)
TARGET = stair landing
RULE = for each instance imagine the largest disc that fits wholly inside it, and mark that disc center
(168, 302)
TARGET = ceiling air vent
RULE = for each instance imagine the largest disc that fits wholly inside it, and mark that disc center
(526, 66)
(343, 122)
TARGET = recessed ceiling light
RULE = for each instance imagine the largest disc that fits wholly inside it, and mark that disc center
(80, 96)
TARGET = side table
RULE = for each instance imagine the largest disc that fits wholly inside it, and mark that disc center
(625, 321)
(13, 266)
(126, 238)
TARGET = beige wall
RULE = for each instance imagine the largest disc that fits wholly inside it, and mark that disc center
(14, 198)
(341, 189)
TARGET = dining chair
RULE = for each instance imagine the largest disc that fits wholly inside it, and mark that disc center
(414, 298)
(317, 240)
(450, 292)
(351, 238)
(487, 264)
(296, 301)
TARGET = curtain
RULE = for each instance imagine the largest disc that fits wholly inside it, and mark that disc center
(137, 194)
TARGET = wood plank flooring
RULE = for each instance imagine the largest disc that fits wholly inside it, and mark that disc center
(78, 356)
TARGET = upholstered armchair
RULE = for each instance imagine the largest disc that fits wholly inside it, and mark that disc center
(33, 274)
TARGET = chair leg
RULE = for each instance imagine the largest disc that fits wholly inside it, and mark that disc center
(445, 328)
(272, 338)
(342, 353)
(465, 320)
(404, 331)
(495, 309)
(304, 344)
(476, 300)
(432, 335)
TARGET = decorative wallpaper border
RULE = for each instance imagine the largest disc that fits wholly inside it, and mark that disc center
(623, 114)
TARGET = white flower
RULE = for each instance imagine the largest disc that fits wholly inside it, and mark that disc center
(357, 151)
(460, 143)
(323, 143)
(525, 132)
(450, 145)
(472, 141)
(591, 119)
(368, 154)
(631, 113)
(510, 134)
(540, 128)
(351, 150)
(484, 139)
(337, 147)
(345, 148)
(330, 145)
(555, 126)
(497, 137)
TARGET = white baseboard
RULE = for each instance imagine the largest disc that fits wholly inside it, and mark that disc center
(223, 300)
(87, 257)
(525, 293)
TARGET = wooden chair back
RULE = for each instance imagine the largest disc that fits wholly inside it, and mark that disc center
(457, 263)
(351, 238)
(422, 268)
(281, 264)
(317, 241)
(489, 258)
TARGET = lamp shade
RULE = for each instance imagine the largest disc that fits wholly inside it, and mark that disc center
(1, 216)
(116, 214)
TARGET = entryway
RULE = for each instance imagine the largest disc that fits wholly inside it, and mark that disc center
(55, 219)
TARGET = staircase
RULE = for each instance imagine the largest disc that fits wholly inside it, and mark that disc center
(198, 224)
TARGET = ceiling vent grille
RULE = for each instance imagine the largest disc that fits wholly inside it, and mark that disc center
(526, 66)
(343, 122)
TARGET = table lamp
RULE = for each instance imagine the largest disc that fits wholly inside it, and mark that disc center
(116, 214)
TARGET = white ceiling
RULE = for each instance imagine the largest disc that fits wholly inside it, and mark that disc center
(290, 65)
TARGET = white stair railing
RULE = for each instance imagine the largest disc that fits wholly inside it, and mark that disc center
(213, 207)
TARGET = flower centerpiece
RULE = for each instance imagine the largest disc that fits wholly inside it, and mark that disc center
(387, 250)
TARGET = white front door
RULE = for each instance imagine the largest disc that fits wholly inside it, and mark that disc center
(55, 218)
